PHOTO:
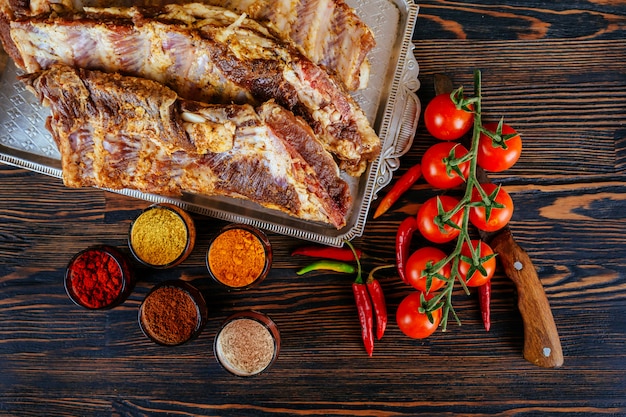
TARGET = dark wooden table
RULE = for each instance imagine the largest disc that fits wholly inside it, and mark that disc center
(556, 70)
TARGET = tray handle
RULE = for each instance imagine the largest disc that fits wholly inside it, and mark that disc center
(404, 122)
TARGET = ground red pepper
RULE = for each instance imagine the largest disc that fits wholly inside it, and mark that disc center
(95, 278)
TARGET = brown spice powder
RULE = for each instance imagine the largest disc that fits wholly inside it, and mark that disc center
(236, 257)
(169, 315)
(158, 236)
(245, 346)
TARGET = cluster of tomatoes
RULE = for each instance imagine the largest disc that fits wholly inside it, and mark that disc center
(441, 219)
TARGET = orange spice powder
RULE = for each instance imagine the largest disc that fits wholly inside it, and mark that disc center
(236, 257)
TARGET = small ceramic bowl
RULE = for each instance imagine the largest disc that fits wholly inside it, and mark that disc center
(239, 257)
(247, 343)
(98, 277)
(162, 236)
(174, 312)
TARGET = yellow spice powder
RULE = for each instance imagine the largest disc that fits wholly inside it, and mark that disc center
(158, 236)
(236, 257)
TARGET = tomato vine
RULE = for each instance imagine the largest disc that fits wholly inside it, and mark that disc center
(476, 197)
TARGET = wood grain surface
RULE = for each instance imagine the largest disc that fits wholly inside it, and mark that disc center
(556, 71)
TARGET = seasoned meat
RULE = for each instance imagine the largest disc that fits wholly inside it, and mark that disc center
(118, 132)
(203, 53)
(328, 32)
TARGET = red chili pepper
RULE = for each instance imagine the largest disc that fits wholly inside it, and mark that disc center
(403, 242)
(363, 305)
(379, 303)
(366, 317)
(400, 187)
(327, 252)
(484, 299)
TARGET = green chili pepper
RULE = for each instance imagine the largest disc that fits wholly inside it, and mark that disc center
(327, 265)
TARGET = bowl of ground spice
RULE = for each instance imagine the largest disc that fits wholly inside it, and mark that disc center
(173, 313)
(247, 343)
(162, 236)
(98, 277)
(239, 257)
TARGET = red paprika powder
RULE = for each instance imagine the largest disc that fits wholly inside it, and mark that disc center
(97, 277)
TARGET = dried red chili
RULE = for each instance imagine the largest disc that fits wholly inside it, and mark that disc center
(484, 299)
(400, 187)
(338, 254)
(363, 303)
(405, 233)
(366, 316)
(379, 304)
(95, 278)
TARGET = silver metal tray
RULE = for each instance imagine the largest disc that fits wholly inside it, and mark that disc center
(389, 102)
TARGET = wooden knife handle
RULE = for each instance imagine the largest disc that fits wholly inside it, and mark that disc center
(542, 345)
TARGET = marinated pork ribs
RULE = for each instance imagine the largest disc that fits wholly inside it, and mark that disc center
(116, 132)
(328, 32)
(203, 53)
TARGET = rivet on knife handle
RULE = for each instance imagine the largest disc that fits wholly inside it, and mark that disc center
(542, 345)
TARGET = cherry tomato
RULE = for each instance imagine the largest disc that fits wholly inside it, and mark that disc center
(436, 170)
(444, 120)
(486, 260)
(419, 266)
(495, 218)
(413, 322)
(492, 154)
(428, 219)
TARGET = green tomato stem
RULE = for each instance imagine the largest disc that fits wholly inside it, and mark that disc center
(470, 184)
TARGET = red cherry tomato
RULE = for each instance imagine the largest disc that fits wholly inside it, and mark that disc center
(495, 218)
(492, 154)
(428, 217)
(419, 266)
(444, 120)
(413, 322)
(485, 260)
(435, 165)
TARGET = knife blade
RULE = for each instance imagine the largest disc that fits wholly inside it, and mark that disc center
(542, 345)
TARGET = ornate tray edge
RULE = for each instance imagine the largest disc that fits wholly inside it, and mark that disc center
(405, 113)
(401, 118)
